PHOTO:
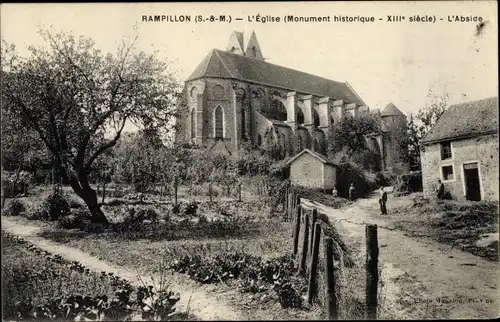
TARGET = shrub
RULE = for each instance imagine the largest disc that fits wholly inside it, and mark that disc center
(52, 208)
(14, 208)
(78, 218)
(191, 208)
(14, 184)
(408, 183)
(363, 180)
(176, 208)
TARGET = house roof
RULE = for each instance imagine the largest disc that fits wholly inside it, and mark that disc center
(465, 120)
(318, 156)
(391, 110)
(223, 64)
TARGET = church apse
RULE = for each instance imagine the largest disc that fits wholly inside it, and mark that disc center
(240, 97)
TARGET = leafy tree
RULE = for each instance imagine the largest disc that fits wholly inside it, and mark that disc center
(22, 149)
(349, 134)
(421, 123)
(79, 99)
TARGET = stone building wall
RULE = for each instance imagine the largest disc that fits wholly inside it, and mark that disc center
(307, 171)
(483, 149)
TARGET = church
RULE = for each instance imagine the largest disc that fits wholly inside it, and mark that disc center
(234, 96)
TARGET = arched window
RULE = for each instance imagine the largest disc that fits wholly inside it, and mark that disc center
(194, 92)
(243, 124)
(193, 123)
(219, 122)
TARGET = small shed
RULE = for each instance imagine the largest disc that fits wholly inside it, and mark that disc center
(311, 169)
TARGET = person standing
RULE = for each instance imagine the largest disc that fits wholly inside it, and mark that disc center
(352, 192)
(334, 192)
(383, 201)
(440, 190)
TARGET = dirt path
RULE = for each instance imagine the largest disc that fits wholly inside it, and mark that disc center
(199, 303)
(416, 272)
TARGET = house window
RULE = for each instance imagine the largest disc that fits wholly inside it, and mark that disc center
(445, 150)
(193, 124)
(447, 172)
(219, 123)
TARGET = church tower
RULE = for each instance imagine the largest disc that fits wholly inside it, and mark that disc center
(253, 48)
(235, 44)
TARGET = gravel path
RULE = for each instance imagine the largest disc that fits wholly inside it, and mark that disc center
(423, 279)
(203, 305)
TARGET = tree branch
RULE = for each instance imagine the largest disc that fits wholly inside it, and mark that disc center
(106, 146)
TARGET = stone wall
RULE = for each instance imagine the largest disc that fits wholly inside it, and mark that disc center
(307, 171)
(482, 149)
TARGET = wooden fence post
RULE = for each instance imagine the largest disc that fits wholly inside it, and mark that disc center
(371, 272)
(305, 240)
(239, 192)
(331, 298)
(175, 191)
(4, 196)
(210, 191)
(312, 287)
(296, 231)
(103, 192)
(314, 217)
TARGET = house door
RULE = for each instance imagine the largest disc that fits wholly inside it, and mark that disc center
(472, 183)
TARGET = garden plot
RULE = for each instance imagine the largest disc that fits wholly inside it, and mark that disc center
(163, 234)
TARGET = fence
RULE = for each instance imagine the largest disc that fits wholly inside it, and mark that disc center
(248, 191)
(308, 236)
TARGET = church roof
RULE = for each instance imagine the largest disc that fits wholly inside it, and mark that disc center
(391, 110)
(317, 155)
(222, 64)
(465, 120)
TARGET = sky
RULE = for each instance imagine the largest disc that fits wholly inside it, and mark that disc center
(384, 62)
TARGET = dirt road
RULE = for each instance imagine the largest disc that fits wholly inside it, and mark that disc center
(422, 278)
(203, 305)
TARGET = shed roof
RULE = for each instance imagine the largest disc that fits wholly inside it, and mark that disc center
(465, 120)
(318, 156)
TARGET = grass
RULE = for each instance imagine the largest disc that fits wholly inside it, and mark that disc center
(457, 223)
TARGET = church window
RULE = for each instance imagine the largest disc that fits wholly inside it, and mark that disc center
(193, 123)
(194, 92)
(243, 124)
(219, 122)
